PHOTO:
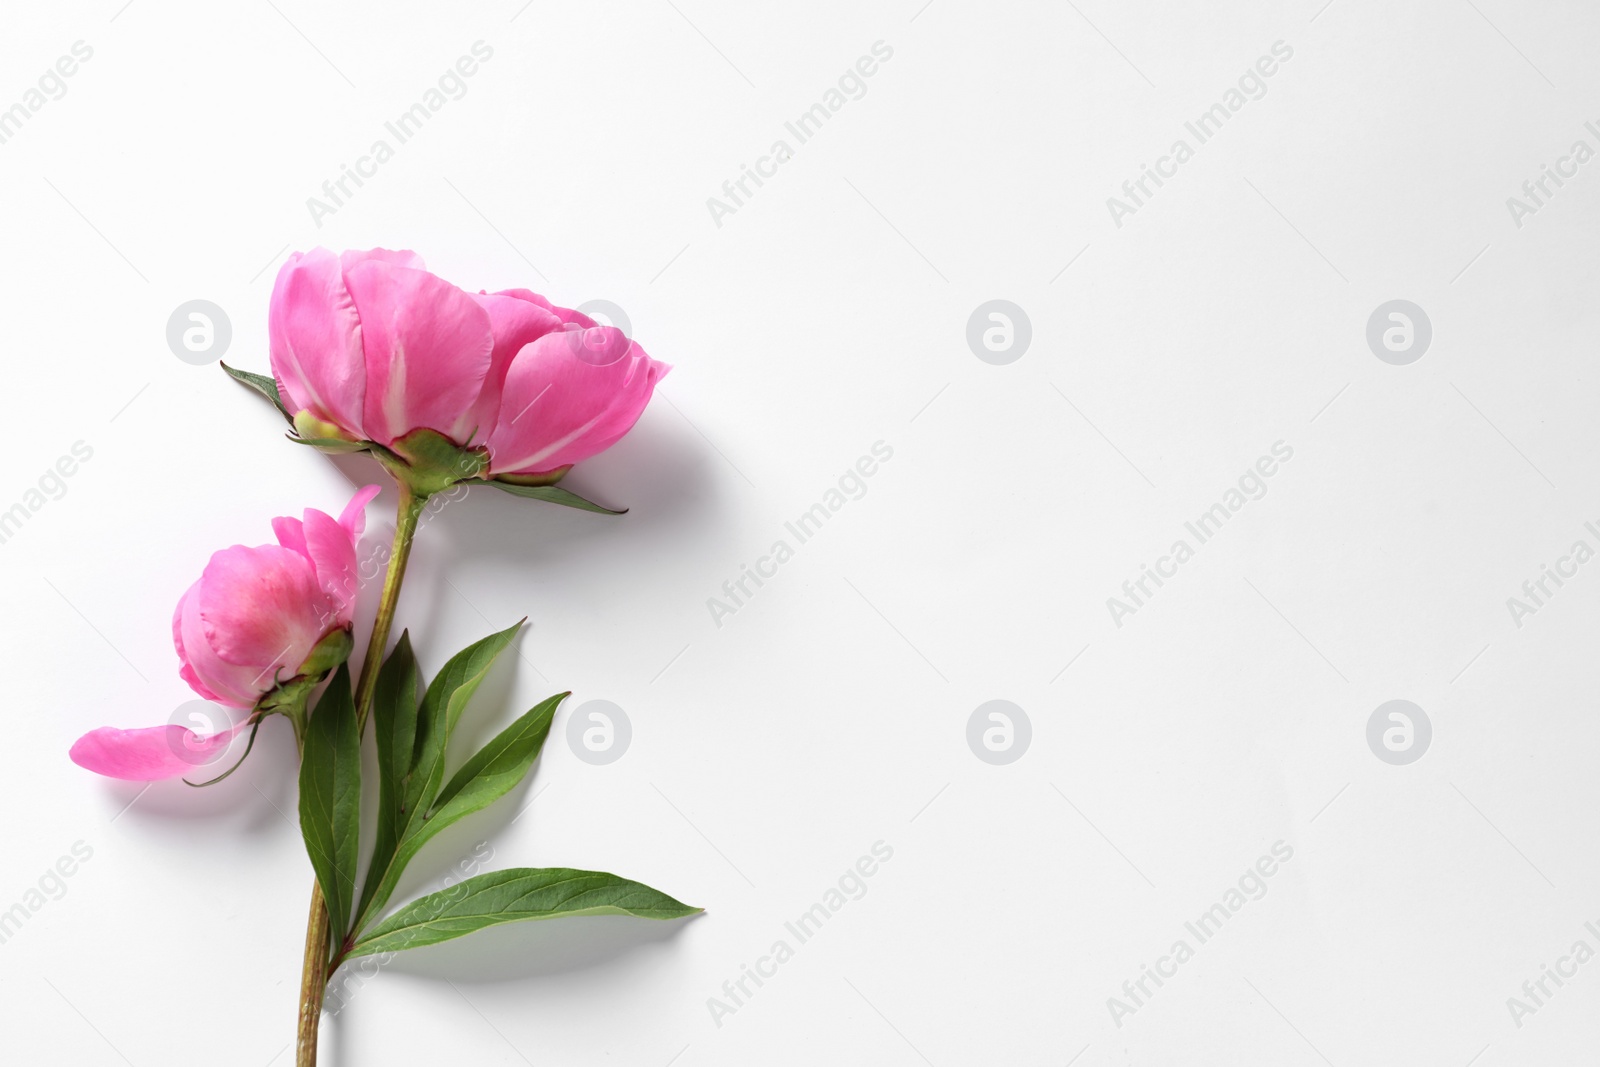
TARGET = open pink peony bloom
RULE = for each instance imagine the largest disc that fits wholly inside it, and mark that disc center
(249, 623)
(374, 346)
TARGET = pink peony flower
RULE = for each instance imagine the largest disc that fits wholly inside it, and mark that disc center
(369, 347)
(256, 619)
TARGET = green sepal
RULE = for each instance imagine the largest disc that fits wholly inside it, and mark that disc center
(324, 436)
(517, 895)
(547, 478)
(289, 697)
(263, 384)
(328, 653)
(429, 462)
(553, 494)
(331, 445)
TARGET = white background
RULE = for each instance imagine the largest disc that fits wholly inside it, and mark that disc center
(828, 313)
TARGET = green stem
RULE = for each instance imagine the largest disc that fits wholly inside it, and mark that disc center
(405, 530)
(315, 971)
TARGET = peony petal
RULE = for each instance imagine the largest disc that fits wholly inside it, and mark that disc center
(515, 322)
(564, 314)
(403, 258)
(206, 672)
(315, 336)
(185, 669)
(427, 348)
(333, 555)
(150, 753)
(568, 396)
(262, 608)
(354, 516)
(290, 534)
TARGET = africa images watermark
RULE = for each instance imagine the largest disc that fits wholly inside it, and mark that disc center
(1537, 591)
(51, 885)
(851, 885)
(802, 129)
(1252, 85)
(852, 485)
(1566, 168)
(1536, 992)
(451, 85)
(1252, 486)
(52, 485)
(51, 85)
(1252, 885)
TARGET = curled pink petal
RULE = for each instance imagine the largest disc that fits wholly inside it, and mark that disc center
(569, 395)
(236, 685)
(150, 753)
(263, 608)
(515, 322)
(564, 314)
(333, 555)
(290, 533)
(186, 669)
(354, 516)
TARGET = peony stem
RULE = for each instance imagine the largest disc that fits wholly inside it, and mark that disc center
(405, 530)
(313, 980)
(314, 971)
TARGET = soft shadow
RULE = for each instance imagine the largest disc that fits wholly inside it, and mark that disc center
(658, 472)
(539, 949)
(270, 772)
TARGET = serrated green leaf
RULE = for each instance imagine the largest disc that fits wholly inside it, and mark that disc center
(330, 798)
(263, 384)
(517, 895)
(554, 494)
(441, 708)
(394, 721)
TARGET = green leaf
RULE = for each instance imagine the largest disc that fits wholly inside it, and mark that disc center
(330, 798)
(262, 384)
(442, 705)
(489, 775)
(394, 721)
(495, 769)
(517, 895)
(554, 494)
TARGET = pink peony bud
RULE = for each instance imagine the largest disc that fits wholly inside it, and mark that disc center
(370, 347)
(255, 619)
